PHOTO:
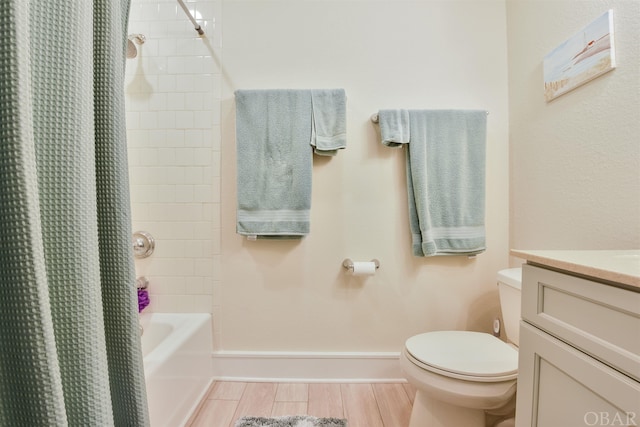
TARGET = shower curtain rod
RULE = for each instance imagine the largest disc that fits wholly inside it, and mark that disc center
(197, 26)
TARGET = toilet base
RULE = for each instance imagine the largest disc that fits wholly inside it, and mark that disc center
(428, 412)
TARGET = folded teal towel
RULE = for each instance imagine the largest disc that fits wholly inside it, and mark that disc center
(446, 181)
(394, 127)
(273, 129)
(329, 121)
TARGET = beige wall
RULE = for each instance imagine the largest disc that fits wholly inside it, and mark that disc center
(294, 295)
(575, 161)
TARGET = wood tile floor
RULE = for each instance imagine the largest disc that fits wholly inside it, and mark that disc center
(363, 405)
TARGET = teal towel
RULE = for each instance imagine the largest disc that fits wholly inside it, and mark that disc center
(446, 181)
(394, 127)
(273, 130)
(329, 124)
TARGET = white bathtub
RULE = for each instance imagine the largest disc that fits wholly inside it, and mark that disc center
(177, 364)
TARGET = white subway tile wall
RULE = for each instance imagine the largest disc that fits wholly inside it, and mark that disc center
(173, 96)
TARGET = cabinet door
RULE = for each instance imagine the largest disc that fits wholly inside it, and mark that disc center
(561, 386)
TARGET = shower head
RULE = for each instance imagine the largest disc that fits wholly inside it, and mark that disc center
(132, 51)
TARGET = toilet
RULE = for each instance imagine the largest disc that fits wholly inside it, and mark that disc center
(461, 376)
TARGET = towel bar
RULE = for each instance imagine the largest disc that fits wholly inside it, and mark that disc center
(376, 119)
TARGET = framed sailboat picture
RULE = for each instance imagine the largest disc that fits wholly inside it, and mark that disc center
(583, 57)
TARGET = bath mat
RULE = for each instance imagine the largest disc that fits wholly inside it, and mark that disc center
(290, 421)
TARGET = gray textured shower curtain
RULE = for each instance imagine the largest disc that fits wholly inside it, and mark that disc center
(69, 344)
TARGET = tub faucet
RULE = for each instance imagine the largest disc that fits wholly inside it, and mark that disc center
(142, 282)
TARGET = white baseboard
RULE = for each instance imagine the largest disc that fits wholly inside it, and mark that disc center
(257, 366)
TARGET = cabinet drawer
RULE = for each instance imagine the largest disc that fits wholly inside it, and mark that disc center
(600, 319)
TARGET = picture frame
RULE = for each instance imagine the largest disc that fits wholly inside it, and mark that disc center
(588, 54)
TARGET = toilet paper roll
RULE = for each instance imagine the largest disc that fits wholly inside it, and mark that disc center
(362, 268)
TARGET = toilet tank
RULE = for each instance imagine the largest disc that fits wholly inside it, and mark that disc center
(509, 289)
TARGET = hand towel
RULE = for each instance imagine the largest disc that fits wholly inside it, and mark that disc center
(446, 181)
(273, 130)
(394, 127)
(329, 123)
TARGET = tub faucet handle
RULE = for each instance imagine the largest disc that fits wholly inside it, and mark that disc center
(143, 244)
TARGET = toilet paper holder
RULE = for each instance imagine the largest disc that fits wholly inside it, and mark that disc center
(348, 264)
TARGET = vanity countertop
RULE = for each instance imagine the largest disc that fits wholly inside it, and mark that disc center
(621, 266)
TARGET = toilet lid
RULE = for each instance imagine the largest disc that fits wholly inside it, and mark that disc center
(474, 354)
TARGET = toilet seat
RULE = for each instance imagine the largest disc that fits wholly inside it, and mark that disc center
(472, 356)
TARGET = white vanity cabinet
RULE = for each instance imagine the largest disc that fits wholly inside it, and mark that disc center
(579, 354)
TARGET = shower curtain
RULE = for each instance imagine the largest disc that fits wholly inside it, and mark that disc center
(69, 341)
